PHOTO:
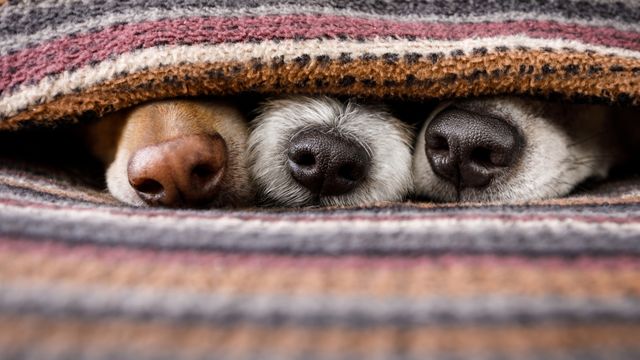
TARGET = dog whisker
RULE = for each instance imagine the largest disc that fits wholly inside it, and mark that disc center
(160, 143)
(361, 153)
(508, 148)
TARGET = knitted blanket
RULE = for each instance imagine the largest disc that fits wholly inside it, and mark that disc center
(82, 276)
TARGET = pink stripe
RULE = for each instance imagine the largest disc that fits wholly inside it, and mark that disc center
(71, 52)
(320, 217)
(200, 258)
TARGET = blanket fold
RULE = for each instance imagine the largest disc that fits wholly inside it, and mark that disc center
(60, 60)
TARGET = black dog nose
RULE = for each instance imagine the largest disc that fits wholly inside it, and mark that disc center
(469, 149)
(326, 163)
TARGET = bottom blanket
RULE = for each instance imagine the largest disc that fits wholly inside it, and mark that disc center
(84, 277)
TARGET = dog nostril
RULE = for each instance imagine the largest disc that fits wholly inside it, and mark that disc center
(149, 186)
(351, 172)
(304, 159)
(482, 156)
(437, 143)
(202, 171)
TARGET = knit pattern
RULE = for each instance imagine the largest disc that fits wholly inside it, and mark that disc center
(60, 60)
(82, 276)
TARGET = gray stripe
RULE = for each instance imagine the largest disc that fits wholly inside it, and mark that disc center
(308, 235)
(78, 350)
(24, 19)
(397, 211)
(14, 42)
(132, 350)
(54, 190)
(311, 310)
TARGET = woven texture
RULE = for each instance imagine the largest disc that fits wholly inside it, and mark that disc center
(61, 59)
(82, 276)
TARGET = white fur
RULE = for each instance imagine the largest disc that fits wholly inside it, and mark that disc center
(118, 181)
(386, 139)
(563, 147)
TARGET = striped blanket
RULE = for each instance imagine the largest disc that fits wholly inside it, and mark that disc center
(82, 276)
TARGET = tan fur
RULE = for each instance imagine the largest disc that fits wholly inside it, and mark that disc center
(119, 135)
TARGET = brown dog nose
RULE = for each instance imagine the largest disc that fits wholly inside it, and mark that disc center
(470, 149)
(327, 164)
(184, 171)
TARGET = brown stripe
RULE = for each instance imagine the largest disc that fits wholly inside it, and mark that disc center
(33, 332)
(522, 72)
(449, 280)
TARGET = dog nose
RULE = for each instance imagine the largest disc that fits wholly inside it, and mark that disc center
(326, 163)
(184, 171)
(469, 149)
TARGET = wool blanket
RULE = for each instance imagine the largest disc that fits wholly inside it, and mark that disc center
(82, 276)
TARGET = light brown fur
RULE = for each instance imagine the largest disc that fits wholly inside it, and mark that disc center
(117, 136)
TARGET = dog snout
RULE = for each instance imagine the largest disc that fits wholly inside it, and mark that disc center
(469, 149)
(326, 163)
(184, 171)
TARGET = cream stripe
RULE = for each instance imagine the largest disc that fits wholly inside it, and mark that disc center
(64, 83)
(13, 42)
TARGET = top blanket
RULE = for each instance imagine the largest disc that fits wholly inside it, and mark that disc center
(60, 60)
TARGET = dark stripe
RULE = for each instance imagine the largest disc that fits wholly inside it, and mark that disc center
(130, 351)
(548, 237)
(311, 310)
(14, 21)
(74, 350)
